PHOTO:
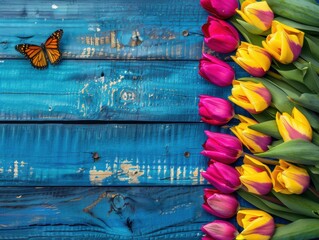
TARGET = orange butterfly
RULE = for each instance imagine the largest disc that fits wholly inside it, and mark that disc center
(38, 55)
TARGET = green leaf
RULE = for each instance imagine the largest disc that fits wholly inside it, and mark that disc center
(314, 178)
(249, 37)
(296, 151)
(313, 44)
(307, 100)
(292, 201)
(267, 206)
(268, 127)
(299, 229)
(300, 26)
(251, 28)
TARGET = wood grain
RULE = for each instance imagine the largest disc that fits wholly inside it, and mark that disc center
(130, 154)
(113, 29)
(102, 213)
(104, 90)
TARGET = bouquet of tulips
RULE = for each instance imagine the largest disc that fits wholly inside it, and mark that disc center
(276, 137)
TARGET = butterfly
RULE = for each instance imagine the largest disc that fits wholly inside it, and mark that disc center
(39, 55)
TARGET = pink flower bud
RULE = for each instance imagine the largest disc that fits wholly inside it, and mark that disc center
(223, 177)
(216, 71)
(220, 204)
(220, 9)
(215, 111)
(222, 147)
(220, 230)
(220, 36)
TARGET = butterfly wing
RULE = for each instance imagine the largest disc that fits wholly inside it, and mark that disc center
(52, 47)
(34, 53)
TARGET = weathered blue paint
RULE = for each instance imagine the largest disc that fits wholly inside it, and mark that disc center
(106, 29)
(141, 213)
(104, 90)
(130, 154)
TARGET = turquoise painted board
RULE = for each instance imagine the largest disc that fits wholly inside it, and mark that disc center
(104, 90)
(130, 154)
(141, 213)
(106, 29)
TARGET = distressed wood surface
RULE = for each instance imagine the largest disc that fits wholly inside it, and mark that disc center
(101, 213)
(113, 29)
(130, 154)
(104, 90)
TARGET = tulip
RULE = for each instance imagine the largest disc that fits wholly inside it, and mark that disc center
(255, 141)
(253, 97)
(284, 43)
(223, 177)
(257, 14)
(220, 9)
(290, 179)
(257, 224)
(220, 204)
(222, 147)
(216, 71)
(294, 126)
(220, 36)
(255, 176)
(253, 59)
(219, 230)
(215, 111)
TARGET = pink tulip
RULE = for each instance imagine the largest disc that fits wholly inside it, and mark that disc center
(223, 177)
(220, 36)
(215, 111)
(220, 9)
(222, 147)
(216, 71)
(220, 204)
(219, 230)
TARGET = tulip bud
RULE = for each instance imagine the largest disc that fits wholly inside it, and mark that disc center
(253, 59)
(294, 126)
(251, 96)
(222, 147)
(223, 177)
(220, 36)
(257, 14)
(215, 111)
(255, 176)
(290, 179)
(257, 224)
(220, 204)
(216, 71)
(220, 230)
(255, 141)
(284, 43)
(220, 9)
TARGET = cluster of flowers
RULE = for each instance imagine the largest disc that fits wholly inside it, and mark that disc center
(282, 97)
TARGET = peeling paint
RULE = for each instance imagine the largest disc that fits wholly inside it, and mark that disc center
(97, 176)
(131, 172)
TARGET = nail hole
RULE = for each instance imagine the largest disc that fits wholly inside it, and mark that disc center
(187, 154)
(185, 33)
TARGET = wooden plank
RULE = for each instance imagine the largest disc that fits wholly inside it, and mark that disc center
(108, 90)
(113, 29)
(130, 154)
(101, 213)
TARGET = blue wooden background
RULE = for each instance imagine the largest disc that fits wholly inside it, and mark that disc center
(127, 88)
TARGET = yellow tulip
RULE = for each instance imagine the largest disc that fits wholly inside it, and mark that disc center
(257, 14)
(255, 141)
(253, 59)
(253, 97)
(290, 179)
(255, 176)
(294, 126)
(257, 224)
(284, 43)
